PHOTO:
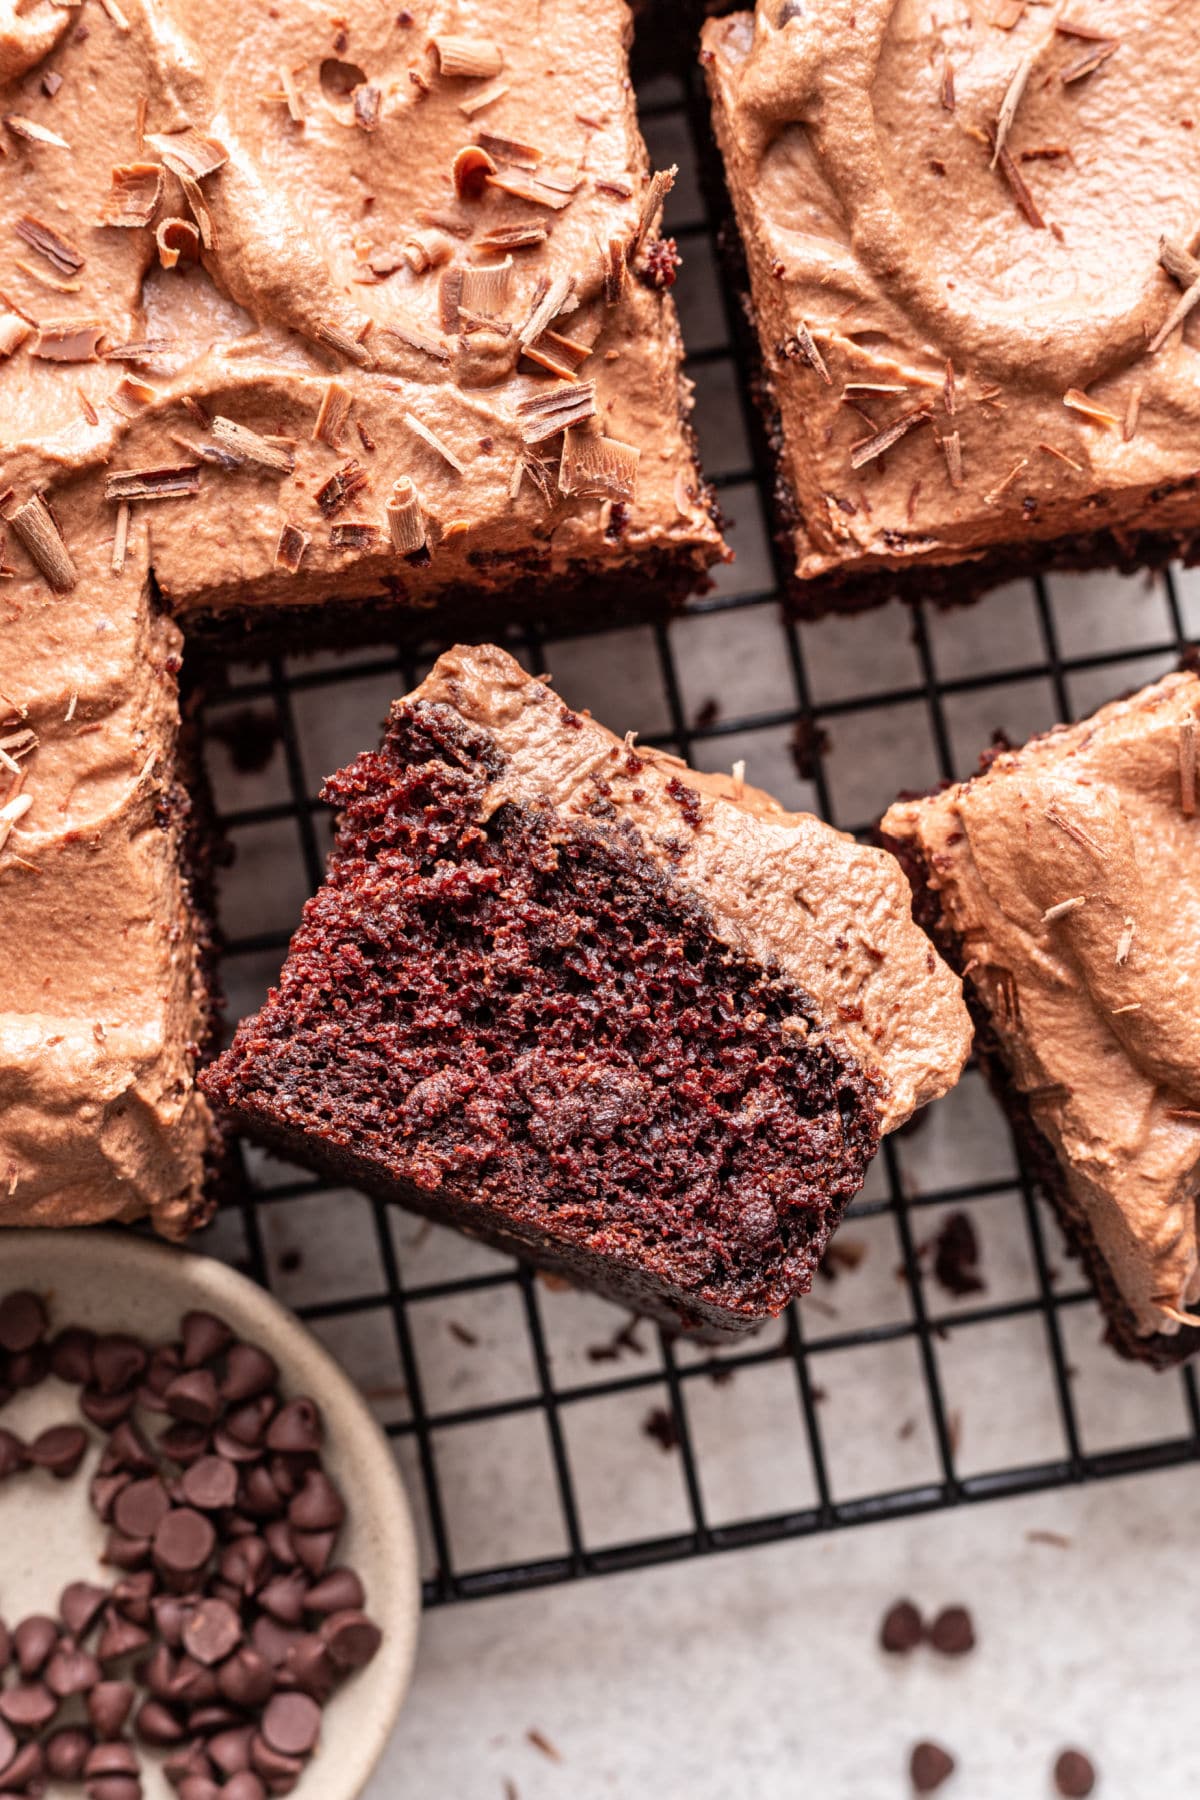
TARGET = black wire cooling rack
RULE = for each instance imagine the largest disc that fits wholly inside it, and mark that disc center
(513, 1405)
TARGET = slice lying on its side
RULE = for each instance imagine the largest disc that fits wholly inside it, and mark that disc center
(633, 1022)
(1063, 881)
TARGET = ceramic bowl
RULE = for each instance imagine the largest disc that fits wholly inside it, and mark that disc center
(115, 1281)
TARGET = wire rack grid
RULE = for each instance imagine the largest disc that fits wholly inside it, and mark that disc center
(545, 1436)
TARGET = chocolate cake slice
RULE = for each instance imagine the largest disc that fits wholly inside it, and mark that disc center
(968, 232)
(630, 1021)
(1063, 881)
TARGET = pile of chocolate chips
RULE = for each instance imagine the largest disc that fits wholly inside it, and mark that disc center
(229, 1624)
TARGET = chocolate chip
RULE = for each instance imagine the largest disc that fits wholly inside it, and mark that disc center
(8, 1746)
(27, 1368)
(140, 1508)
(66, 1752)
(283, 1598)
(245, 1564)
(71, 1671)
(33, 1640)
(193, 1682)
(230, 1750)
(246, 1785)
(351, 1639)
(5, 1646)
(111, 1758)
(120, 1637)
(71, 1356)
(246, 1680)
(1074, 1775)
(309, 1667)
(280, 1772)
(248, 1371)
(318, 1506)
(902, 1628)
(108, 1706)
(117, 1362)
(29, 1706)
(259, 1495)
(114, 1787)
(193, 1397)
(273, 1641)
(183, 1443)
(79, 1606)
(204, 1337)
(127, 1449)
(126, 1552)
(952, 1632)
(23, 1322)
(198, 1787)
(211, 1483)
(215, 1716)
(60, 1449)
(26, 1769)
(12, 1454)
(103, 1494)
(291, 1724)
(106, 1410)
(342, 1591)
(170, 1615)
(189, 1759)
(212, 1631)
(929, 1765)
(296, 1428)
(133, 1597)
(184, 1541)
(157, 1725)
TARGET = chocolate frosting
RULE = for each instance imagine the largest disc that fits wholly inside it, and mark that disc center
(859, 140)
(784, 888)
(1069, 870)
(313, 223)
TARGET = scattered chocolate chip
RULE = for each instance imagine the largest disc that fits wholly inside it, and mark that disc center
(128, 1450)
(296, 1427)
(928, 1766)
(309, 1667)
(953, 1632)
(140, 1508)
(199, 1787)
(60, 1449)
(291, 1724)
(71, 1356)
(120, 1637)
(230, 1750)
(29, 1706)
(111, 1758)
(318, 1506)
(185, 1444)
(280, 1772)
(339, 1591)
(26, 1769)
(244, 1564)
(106, 1410)
(157, 1725)
(204, 1337)
(248, 1371)
(193, 1397)
(313, 1549)
(133, 1597)
(245, 1785)
(1074, 1775)
(23, 1322)
(66, 1752)
(212, 1631)
(71, 1671)
(902, 1628)
(117, 1362)
(246, 1680)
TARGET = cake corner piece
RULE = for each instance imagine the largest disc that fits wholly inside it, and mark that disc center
(623, 1018)
(1061, 880)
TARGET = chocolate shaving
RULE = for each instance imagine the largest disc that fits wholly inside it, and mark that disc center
(1187, 767)
(406, 526)
(1063, 907)
(138, 350)
(952, 451)
(121, 537)
(1091, 59)
(949, 392)
(801, 344)
(1073, 28)
(13, 332)
(188, 152)
(68, 340)
(947, 88)
(177, 239)
(560, 355)
(1080, 402)
(345, 345)
(1182, 267)
(661, 183)
(472, 168)
(35, 525)
(130, 397)
(541, 475)
(1073, 829)
(467, 59)
(614, 271)
(512, 237)
(1011, 101)
(539, 192)
(1125, 943)
(1024, 199)
(485, 97)
(289, 551)
(45, 279)
(341, 488)
(597, 468)
(1007, 13)
(423, 250)
(867, 449)
(367, 101)
(544, 415)
(293, 99)
(33, 133)
(1062, 457)
(486, 287)
(1002, 487)
(59, 251)
(353, 535)
(332, 414)
(434, 442)
(133, 195)
(175, 482)
(510, 150)
(450, 284)
(276, 453)
(194, 196)
(208, 453)
(546, 309)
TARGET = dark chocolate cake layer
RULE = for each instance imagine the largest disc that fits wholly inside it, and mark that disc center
(524, 1016)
